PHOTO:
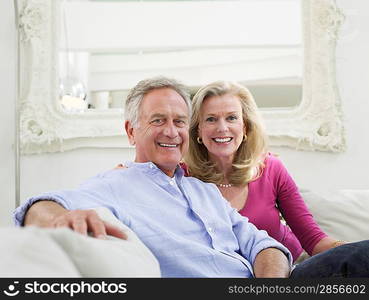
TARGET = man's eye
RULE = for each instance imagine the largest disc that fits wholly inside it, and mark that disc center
(157, 121)
(180, 122)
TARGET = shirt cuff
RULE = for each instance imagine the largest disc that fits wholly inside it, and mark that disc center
(260, 247)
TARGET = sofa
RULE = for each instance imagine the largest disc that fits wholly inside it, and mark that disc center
(37, 252)
(342, 214)
(60, 252)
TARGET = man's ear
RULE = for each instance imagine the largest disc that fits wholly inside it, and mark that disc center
(130, 132)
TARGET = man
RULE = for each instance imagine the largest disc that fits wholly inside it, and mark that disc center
(189, 227)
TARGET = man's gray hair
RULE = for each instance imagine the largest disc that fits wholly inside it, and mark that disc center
(137, 93)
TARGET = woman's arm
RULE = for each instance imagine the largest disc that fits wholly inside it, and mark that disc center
(294, 210)
(327, 243)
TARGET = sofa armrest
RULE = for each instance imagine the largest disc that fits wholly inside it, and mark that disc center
(342, 214)
(61, 252)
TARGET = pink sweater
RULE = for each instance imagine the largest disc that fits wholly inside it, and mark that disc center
(274, 192)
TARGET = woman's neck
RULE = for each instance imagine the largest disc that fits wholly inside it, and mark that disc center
(223, 165)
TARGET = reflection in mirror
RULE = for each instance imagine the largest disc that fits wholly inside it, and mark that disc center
(106, 47)
(118, 48)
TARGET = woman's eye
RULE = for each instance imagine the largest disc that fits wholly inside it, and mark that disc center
(210, 119)
(232, 118)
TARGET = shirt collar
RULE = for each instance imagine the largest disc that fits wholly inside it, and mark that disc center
(151, 168)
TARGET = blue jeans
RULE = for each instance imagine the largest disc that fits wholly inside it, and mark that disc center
(349, 260)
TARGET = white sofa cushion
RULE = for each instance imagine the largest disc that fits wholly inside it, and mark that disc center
(43, 252)
(342, 214)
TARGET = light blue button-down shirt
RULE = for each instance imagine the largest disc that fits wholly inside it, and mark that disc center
(187, 224)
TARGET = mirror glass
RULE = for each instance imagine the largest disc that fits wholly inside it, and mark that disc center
(106, 47)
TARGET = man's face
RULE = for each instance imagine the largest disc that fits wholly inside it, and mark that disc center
(162, 132)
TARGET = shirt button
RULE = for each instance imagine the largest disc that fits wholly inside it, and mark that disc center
(151, 166)
(171, 182)
(210, 229)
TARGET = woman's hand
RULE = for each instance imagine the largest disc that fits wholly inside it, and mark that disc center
(120, 166)
(327, 243)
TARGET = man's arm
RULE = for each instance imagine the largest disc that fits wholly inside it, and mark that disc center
(271, 262)
(46, 213)
(268, 257)
(42, 213)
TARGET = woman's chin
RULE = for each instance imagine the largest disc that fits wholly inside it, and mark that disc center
(223, 154)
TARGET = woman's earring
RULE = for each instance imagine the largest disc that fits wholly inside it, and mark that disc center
(199, 140)
(244, 138)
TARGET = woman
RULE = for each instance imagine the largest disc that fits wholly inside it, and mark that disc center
(228, 147)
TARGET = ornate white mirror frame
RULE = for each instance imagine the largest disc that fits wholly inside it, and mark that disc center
(316, 124)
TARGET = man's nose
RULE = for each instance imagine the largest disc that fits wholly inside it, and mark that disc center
(171, 130)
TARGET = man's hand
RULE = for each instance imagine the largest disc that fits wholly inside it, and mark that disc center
(85, 222)
(51, 214)
(271, 262)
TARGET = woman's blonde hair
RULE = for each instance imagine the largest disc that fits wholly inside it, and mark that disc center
(248, 161)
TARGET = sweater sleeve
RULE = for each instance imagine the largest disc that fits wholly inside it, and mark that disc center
(293, 208)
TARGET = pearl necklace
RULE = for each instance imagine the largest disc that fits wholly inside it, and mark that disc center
(227, 185)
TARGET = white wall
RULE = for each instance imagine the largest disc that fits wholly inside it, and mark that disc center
(196, 52)
(41, 173)
(7, 115)
(346, 170)
(315, 170)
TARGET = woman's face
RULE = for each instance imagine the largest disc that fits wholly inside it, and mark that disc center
(221, 126)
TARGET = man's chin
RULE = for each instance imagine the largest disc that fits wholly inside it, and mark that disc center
(168, 166)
